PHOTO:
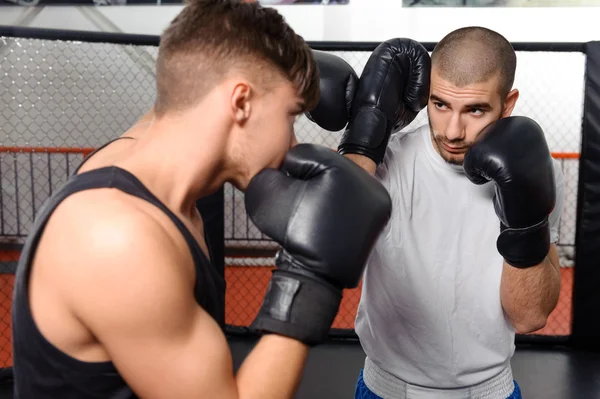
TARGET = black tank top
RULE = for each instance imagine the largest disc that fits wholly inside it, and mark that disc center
(43, 371)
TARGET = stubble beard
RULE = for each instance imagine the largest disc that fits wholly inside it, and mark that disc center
(452, 159)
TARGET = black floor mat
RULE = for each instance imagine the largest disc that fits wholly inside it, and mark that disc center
(332, 370)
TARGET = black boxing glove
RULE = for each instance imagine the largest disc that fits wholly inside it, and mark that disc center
(513, 153)
(392, 89)
(337, 83)
(326, 213)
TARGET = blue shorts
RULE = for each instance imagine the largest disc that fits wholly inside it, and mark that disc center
(362, 392)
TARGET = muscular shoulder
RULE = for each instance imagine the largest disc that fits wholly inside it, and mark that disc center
(108, 253)
(104, 221)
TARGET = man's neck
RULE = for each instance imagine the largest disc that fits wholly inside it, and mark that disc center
(179, 163)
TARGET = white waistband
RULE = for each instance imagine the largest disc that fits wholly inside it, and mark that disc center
(387, 386)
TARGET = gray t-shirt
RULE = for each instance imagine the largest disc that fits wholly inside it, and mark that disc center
(430, 311)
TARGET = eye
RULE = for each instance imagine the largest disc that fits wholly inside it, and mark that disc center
(439, 105)
(476, 111)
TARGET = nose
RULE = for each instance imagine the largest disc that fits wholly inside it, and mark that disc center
(455, 129)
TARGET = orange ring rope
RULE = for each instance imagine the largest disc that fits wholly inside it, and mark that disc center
(86, 151)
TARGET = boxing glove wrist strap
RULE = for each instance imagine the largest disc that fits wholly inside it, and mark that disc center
(526, 247)
(299, 307)
(368, 134)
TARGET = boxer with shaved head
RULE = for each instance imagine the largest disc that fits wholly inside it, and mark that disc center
(469, 256)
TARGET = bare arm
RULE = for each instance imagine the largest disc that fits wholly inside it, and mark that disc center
(273, 369)
(364, 162)
(135, 294)
(530, 295)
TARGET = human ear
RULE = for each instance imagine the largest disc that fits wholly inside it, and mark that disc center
(240, 102)
(509, 102)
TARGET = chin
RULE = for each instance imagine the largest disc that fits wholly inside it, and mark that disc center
(241, 186)
(276, 164)
(241, 181)
(454, 159)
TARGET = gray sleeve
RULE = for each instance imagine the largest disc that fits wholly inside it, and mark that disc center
(555, 216)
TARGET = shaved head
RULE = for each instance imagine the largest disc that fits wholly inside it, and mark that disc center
(475, 55)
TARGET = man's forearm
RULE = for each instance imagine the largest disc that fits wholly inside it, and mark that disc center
(364, 162)
(530, 295)
(273, 369)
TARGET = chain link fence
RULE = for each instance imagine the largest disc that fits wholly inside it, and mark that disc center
(555, 102)
(62, 99)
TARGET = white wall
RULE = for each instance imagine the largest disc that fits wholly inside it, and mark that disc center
(361, 20)
(377, 20)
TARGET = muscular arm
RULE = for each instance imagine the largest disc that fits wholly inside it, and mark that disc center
(529, 295)
(135, 294)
